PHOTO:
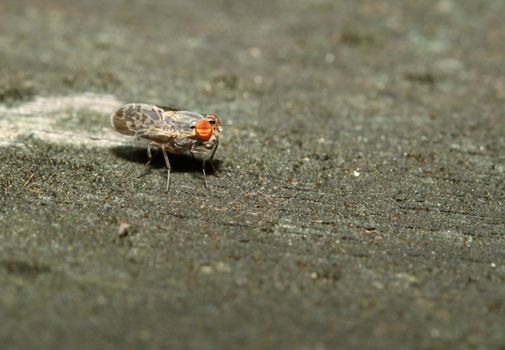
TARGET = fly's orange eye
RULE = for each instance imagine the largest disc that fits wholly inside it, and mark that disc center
(203, 130)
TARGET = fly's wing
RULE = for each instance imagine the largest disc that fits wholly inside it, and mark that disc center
(184, 121)
(145, 121)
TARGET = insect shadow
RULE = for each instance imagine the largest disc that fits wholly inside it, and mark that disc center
(178, 163)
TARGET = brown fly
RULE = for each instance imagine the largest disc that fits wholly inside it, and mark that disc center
(171, 130)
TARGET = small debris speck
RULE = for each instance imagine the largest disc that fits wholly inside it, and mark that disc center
(206, 269)
(123, 230)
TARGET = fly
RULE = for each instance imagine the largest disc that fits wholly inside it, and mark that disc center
(171, 130)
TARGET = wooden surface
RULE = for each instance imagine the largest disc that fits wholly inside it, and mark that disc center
(359, 197)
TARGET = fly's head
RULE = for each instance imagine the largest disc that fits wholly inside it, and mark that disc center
(207, 129)
(206, 134)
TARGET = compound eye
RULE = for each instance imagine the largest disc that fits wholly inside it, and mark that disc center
(203, 130)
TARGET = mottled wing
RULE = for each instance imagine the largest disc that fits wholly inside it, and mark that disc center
(143, 120)
(184, 121)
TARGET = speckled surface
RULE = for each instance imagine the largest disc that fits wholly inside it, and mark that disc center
(359, 198)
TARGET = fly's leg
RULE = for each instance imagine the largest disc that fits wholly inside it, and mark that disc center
(168, 167)
(203, 168)
(204, 175)
(214, 171)
(149, 158)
